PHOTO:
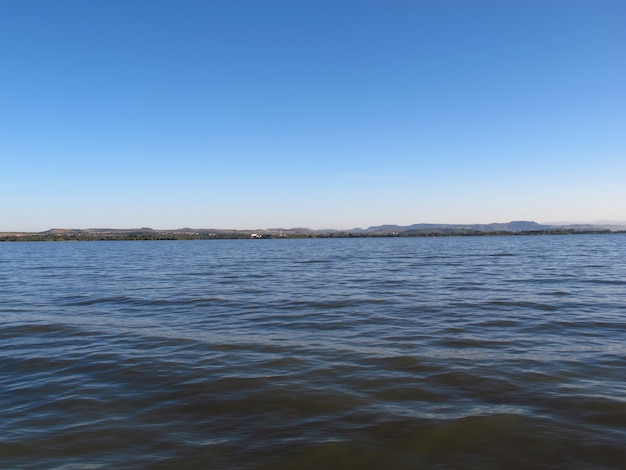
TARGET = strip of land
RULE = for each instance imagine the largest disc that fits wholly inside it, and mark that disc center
(416, 230)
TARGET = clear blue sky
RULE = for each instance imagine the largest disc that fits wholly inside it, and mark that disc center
(317, 113)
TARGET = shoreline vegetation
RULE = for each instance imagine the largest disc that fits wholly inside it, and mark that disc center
(417, 230)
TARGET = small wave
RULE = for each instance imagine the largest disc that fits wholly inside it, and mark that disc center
(335, 304)
(610, 282)
(314, 261)
(497, 323)
(502, 254)
(118, 299)
(522, 304)
(474, 343)
(36, 329)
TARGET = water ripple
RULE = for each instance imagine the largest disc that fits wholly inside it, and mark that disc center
(471, 352)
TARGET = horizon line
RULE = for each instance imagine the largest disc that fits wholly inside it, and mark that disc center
(390, 225)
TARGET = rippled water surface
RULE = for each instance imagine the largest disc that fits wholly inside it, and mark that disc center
(468, 352)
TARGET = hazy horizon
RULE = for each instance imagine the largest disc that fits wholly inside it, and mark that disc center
(319, 114)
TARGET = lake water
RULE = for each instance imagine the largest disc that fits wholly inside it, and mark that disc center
(403, 353)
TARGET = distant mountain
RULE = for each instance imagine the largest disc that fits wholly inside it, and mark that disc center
(514, 226)
(596, 226)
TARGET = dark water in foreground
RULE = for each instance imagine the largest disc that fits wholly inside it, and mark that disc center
(487, 352)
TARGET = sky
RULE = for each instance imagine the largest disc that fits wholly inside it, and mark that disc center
(310, 113)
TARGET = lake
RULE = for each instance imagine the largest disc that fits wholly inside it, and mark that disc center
(403, 353)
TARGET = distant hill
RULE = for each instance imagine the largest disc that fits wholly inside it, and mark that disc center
(614, 226)
(514, 226)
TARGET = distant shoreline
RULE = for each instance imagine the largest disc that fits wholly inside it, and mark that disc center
(149, 234)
